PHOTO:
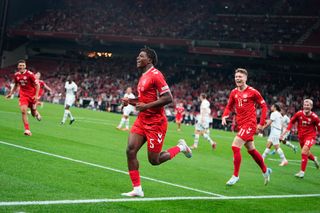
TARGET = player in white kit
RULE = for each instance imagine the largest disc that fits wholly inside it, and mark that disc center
(274, 137)
(71, 90)
(202, 125)
(126, 111)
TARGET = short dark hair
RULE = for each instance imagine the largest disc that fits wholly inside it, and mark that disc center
(151, 53)
(22, 61)
(203, 95)
(241, 70)
(277, 106)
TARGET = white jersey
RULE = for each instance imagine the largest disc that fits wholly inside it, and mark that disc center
(276, 127)
(285, 122)
(71, 89)
(276, 119)
(128, 109)
(205, 109)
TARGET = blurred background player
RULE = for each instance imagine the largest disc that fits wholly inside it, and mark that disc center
(179, 114)
(276, 126)
(151, 123)
(285, 141)
(308, 125)
(126, 110)
(71, 92)
(43, 86)
(203, 121)
(29, 90)
(243, 100)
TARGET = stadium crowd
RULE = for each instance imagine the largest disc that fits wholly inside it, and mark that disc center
(200, 20)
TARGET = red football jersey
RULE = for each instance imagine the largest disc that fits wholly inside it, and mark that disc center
(244, 102)
(179, 111)
(27, 82)
(41, 91)
(307, 124)
(151, 85)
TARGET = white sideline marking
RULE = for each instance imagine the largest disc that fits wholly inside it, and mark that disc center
(294, 162)
(119, 200)
(111, 169)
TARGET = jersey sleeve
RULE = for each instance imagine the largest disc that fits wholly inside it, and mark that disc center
(75, 88)
(230, 105)
(263, 107)
(292, 121)
(161, 84)
(272, 117)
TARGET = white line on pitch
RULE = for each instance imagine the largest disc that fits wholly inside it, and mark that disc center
(119, 200)
(295, 162)
(111, 169)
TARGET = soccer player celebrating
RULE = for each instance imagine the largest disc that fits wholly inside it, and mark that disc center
(308, 124)
(243, 99)
(274, 136)
(126, 110)
(43, 86)
(202, 125)
(71, 91)
(151, 123)
(29, 90)
(179, 113)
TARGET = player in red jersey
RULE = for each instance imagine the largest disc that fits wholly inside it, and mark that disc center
(43, 86)
(243, 99)
(179, 112)
(308, 124)
(151, 124)
(29, 90)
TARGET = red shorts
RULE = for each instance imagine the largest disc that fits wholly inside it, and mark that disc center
(246, 132)
(179, 119)
(308, 141)
(155, 133)
(30, 102)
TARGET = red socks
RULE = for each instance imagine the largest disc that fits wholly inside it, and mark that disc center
(173, 151)
(236, 160)
(258, 158)
(26, 126)
(311, 157)
(304, 162)
(135, 177)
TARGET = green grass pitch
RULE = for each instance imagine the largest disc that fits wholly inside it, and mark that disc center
(86, 162)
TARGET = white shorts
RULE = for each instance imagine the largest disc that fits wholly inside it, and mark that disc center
(274, 136)
(202, 126)
(127, 110)
(69, 101)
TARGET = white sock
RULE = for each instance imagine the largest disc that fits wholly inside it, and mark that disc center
(207, 137)
(182, 148)
(196, 139)
(70, 115)
(122, 121)
(289, 144)
(265, 153)
(281, 154)
(65, 115)
(127, 123)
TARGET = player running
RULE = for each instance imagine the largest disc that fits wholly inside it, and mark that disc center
(29, 91)
(308, 124)
(151, 124)
(126, 111)
(43, 86)
(243, 99)
(179, 113)
(71, 92)
(274, 136)
(202, 125)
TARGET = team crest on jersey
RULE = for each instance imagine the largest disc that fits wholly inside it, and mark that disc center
(236, 96)
(24, 77)
(245, 95)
